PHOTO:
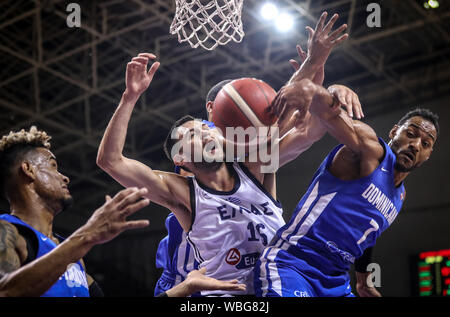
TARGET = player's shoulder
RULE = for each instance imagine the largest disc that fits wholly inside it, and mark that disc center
(368, 138)
(7, 229)
(10, 236)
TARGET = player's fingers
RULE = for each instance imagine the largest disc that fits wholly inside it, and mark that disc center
(319, 25)
(360, 106)
(330, 23)
(132, 208)
(202, 270)
(153, 69)
(336, 32)
(349, 105)
(294, 64)
(142, 60)
(357, 106)
(107, 198)
(132, 198)
(300, 51)
(311, 33)
(135, 224)
(135, 65)
(274, 105)
(340, 39)
(148, 55)
(123, 193)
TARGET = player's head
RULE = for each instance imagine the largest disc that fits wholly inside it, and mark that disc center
(192, 145)
(413, 138)
(212, 93)
(28, 165)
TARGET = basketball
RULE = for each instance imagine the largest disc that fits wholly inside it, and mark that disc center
(243, 103)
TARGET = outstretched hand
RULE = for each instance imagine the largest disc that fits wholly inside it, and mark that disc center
(348, 99)
(110, 220)
(320, 74)
(137, 77)
(197, 281)
(322, 40)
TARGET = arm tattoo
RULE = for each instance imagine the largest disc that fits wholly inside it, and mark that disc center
(9, 259)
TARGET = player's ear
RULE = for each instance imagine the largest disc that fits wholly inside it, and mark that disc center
(27, 169)
(393, 131)
(209, 107)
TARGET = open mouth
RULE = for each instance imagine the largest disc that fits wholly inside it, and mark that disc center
(409, 155)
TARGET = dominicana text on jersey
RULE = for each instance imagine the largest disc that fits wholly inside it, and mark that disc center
(231, 229)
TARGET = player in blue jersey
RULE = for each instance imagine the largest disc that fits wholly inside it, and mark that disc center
(33, 260)
(356, 193)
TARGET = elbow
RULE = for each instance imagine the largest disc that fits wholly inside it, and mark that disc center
(106, 162)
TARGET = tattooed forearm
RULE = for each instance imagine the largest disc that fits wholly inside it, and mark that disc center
(9, 259)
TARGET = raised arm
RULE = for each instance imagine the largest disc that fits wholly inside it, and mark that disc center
(166, 189)
(299, 129)
(362, 149)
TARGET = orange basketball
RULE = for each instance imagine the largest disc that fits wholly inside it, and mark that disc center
(243, 103)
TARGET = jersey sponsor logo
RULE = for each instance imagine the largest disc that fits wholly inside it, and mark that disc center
(233, 256)
(381, 202)
(333, 248)
(248, 260)
(234, 200)
(44, 238)
(384, 170)
(298, 293)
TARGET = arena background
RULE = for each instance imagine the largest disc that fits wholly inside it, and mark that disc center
(68, 82)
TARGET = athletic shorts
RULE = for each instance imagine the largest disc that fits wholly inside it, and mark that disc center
(281, 274)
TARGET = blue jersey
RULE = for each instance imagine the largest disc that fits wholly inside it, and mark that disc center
(73, 282)
(174, 255)
(337, 220)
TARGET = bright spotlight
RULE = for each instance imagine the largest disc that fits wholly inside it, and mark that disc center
(269, 11)
(284, 22)
(431, 4)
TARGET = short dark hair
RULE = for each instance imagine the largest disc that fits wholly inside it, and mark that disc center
(424, 113)
(14, 146)
(169, 142)
(212, 93)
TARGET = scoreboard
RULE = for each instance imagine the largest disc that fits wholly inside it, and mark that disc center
(432, 273)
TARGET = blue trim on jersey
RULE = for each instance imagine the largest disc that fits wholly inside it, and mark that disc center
(76, 285)
(209, 124)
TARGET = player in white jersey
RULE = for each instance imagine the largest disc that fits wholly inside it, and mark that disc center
(247, 217)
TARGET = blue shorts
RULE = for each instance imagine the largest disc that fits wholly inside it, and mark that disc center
(166, 282)
(281, 274)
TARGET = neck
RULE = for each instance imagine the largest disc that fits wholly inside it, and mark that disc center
(399, 177)
(220, 179)
(33, 210)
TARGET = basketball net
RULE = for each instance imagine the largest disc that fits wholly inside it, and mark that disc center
(208, 23)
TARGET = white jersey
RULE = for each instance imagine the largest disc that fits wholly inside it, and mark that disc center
(231, 229)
